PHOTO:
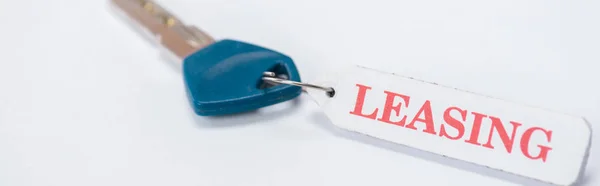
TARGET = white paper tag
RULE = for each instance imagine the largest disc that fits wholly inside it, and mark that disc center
(531, 142)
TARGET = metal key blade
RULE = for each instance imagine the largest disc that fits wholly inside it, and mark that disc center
(180, 39)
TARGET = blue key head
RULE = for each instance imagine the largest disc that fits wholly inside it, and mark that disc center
(226, 78)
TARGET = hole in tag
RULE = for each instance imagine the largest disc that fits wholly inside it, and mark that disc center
(280, 71)
(331, 93)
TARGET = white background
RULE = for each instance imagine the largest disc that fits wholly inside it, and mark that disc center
(86, 101)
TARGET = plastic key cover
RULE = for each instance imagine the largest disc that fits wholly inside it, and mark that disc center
(225, 78)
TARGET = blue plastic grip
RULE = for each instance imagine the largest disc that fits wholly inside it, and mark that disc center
(225, 78)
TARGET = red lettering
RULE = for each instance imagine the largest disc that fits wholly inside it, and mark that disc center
(508, 142)
(389, 107)
(453, 122)
(543, 149)
(360, 101)
(454, 119)
(428, 120)
(476, 128)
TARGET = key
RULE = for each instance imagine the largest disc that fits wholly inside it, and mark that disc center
(228, 76)
(222, 77)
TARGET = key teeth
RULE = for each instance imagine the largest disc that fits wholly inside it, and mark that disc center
(170, 32)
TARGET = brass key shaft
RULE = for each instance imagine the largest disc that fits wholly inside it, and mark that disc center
(180, 39)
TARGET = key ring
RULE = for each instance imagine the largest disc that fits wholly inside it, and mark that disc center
(271, 77)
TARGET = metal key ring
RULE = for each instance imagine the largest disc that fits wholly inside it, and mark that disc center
(270, 77)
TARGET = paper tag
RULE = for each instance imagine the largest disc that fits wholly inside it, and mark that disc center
(531, 142)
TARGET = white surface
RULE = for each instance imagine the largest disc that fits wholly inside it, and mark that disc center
(546, 146)
(86, 101)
